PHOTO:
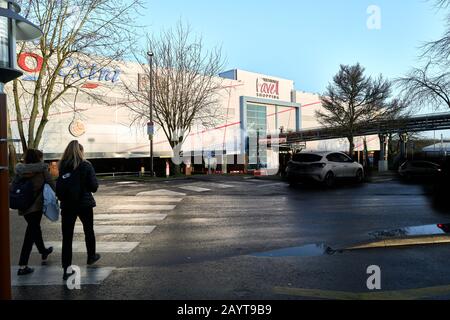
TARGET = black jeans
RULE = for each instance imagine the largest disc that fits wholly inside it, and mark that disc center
(33, 235)
(69, 219)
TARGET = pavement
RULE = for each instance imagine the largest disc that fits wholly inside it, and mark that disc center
(228, 237)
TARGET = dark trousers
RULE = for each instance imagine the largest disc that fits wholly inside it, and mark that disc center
(33, 235)
(69, 219)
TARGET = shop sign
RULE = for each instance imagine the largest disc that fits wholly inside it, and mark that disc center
(82, 71)
(267, 88)
(77, 128)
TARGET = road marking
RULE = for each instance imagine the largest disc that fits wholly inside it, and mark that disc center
(142, 207)
(101, 247)
(409, 294)
(119, 229)
(131, 216)
(52, 276)
(271, 185)
(161, 192)
(126, 182)
(194, 188)
(220, 185)
(149, 199)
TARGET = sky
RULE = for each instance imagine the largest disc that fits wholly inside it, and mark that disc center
(306, 40)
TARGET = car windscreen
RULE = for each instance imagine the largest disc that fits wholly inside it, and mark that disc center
(306, 157)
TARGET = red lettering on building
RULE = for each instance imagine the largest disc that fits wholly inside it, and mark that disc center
(268, 88)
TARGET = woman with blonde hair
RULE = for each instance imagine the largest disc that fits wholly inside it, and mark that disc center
(74, 188)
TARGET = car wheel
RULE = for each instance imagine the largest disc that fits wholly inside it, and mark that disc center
(359, 176)
(329, 180)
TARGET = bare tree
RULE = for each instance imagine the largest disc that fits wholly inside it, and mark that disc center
(427, 86)
(353, 100)
(439, 50)
(81, 39)
(185, 85)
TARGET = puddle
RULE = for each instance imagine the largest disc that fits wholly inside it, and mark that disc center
(432, 229)
(311, 250)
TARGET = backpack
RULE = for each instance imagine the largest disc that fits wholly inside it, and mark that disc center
(69, 187)
(21, 194)
(51, 206)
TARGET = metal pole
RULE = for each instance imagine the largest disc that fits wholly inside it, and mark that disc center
(150, 55)
(5, 262)
(258, 165)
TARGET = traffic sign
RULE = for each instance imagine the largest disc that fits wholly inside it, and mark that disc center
(150, 128)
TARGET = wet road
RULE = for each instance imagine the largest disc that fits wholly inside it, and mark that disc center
(214, 238)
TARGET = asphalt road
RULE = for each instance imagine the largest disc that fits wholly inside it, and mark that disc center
(210, 236)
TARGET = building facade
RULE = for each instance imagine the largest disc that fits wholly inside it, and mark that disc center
(253, 106)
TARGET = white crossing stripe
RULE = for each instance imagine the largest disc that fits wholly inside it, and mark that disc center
(101, 247)
(126, 182)
(220, 185)
(194, 188)
(142, 207)
(161, 192)
(271, 185)
(157, 199)
(131, 216)
(118, 229)
(52, 276)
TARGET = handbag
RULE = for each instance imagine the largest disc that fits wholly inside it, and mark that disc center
(51, 206)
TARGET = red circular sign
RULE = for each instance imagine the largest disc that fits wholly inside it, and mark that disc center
(22, 62)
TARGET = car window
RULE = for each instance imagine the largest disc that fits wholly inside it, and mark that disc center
(420, 165)
(345, 158)
(306, 157)
(334, 157)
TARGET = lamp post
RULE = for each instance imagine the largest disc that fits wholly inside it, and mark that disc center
(12, 27)
(151, 125)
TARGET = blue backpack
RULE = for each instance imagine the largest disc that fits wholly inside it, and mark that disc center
(21, 194)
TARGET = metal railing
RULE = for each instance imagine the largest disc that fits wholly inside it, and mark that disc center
(426, 122)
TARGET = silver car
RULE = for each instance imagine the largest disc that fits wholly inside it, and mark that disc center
(324, 167)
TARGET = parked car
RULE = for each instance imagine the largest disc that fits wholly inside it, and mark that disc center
(419, 169)
(323, 167)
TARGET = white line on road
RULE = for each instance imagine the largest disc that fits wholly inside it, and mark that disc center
(220, 185)
(131, 216)
(161, 192)
(142, 207)
(101, 247)
(119, 229)
(153, 199)
(194, 188)
(52, 276)
(271, 185)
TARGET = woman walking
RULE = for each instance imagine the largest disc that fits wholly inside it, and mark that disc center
(75, 185)
(36, 170)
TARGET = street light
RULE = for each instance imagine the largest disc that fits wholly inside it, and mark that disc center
(12, 27)
(151, 125)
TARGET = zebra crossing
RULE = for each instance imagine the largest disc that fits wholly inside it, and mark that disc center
(120, 220)
(138, 216)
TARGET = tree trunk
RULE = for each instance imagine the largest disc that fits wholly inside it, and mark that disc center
(366, 155)
(12, 154)
(351, 149)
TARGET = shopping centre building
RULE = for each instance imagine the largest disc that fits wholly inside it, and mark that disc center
(253, 106)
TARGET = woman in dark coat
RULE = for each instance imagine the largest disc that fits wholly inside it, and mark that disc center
(36, 170)
(72, 161)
